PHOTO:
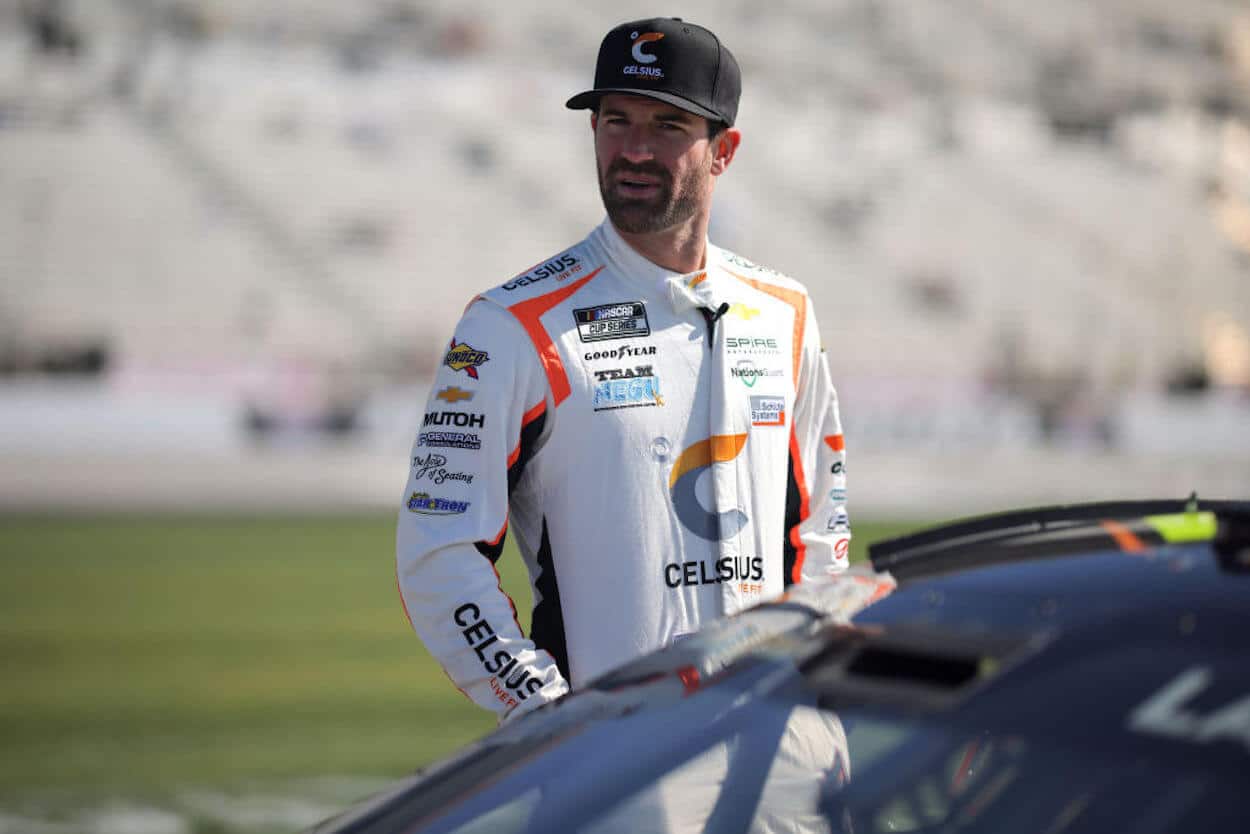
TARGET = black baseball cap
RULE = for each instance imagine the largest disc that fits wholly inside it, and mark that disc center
(671, 60)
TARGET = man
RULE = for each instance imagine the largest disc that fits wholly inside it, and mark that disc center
(651, 414)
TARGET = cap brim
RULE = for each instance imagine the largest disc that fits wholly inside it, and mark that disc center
(589, 100)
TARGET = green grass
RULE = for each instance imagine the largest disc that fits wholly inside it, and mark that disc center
(140, 655)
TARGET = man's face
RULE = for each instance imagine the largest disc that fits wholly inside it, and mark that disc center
(654, 163)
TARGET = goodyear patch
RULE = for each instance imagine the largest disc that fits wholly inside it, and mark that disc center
(465, 357)
(623, 320)
(768, 411)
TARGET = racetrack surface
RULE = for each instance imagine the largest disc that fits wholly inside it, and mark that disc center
(213, 673)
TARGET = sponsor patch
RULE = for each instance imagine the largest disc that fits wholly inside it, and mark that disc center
(449, 439)
(627, 388)
(752, 344)
(452, 394)
(434, 467)
(742, 311)
(426, 504)
(839, 521)
(560, 268)
(623, 320)
(461, 419)
(768, 411)
(749, 373)
(623, 352)
(725, 569)
(465, 357)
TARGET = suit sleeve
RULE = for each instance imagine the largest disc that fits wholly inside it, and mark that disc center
(484, 417)
(817, 524)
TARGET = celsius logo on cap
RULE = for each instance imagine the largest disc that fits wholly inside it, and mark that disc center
(639, 42)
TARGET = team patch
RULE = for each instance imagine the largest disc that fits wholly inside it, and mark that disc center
(768, 411)
(426, 504)
(453, 394)
(623, 320)
(627, 388)
(465, 357)
(449, 439)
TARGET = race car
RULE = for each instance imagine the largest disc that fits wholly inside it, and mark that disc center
(1065, 669)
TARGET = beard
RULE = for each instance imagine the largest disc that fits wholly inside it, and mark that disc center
(669, 208)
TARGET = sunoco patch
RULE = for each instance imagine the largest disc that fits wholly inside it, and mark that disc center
(768, 411)
(623, 320)
(465, 357)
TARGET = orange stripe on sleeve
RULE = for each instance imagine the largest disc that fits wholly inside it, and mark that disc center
(805, 509)
(529, 314)
(795, 299)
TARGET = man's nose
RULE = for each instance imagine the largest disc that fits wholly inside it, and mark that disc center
(637, 145)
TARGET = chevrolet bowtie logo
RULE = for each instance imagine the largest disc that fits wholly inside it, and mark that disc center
(453, 395)
(742, 311)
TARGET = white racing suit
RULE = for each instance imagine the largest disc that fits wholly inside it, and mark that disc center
(665, 447)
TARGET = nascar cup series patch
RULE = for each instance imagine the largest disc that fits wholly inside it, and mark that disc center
(623, 320)
(465, 357)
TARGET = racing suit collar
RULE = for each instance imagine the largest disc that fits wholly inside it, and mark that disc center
(704, 288)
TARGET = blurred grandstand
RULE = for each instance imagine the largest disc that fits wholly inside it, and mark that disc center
(234, 236)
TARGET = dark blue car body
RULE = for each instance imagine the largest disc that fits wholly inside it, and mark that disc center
(1068, 669)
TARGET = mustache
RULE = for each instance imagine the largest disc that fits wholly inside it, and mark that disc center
(653, 169)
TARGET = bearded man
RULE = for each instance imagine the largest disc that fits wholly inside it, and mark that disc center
(652, 414)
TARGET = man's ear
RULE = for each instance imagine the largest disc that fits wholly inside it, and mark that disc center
(725, 146)
(594, 120)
